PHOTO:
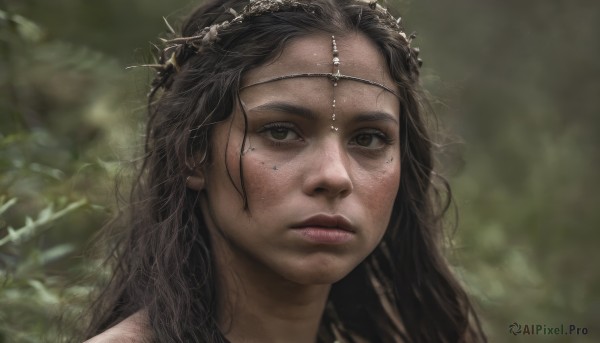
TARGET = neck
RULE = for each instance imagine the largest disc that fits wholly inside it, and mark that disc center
(255, 305)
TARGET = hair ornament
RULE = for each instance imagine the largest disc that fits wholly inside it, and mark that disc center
(177, 49)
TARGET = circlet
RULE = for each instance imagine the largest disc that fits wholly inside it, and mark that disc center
(169, 60)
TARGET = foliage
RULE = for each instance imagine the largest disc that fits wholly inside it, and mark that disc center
(515, 81)
(55, 101)
(518, 81)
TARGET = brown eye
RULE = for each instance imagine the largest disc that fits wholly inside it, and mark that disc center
(370, 139)
(279, 133)
(364, 139)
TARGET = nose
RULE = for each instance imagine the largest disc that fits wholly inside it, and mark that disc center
(328, 174)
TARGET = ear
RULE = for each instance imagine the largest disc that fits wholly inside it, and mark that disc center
(195, 181)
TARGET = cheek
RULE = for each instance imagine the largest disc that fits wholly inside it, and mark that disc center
(379, 190)
(387, 189)
(267, 184)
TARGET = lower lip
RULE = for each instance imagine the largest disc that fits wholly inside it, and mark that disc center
(325, 236)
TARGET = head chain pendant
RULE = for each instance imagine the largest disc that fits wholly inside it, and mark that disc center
(335, 76)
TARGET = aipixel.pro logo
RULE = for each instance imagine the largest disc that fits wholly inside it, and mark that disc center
(543, 329)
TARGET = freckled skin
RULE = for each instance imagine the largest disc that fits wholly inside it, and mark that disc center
(313, 170)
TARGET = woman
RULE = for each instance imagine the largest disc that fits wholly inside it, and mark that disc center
(286, 193)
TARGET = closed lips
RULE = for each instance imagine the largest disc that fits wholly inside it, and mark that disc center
(327, 222)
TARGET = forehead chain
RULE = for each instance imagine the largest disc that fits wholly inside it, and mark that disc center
(335, 75)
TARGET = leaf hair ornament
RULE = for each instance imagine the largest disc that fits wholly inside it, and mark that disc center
(178, 49)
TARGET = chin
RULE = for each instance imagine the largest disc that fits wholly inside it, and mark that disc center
(316, 279)
(318, 271)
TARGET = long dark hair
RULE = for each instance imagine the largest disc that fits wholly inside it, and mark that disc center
(161, 258)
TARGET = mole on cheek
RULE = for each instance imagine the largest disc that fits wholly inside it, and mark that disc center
(274, 167)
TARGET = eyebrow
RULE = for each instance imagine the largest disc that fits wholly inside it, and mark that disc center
(307, 113)
(287, 108)
(375, 116)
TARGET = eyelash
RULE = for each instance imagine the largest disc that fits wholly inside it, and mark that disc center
(386, 140)
(279, 125)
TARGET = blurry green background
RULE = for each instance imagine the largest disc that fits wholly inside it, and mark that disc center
(516, 84)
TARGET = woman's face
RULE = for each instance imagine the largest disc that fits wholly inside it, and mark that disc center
(319, 200)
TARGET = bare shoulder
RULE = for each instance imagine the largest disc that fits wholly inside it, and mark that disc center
(133, 329)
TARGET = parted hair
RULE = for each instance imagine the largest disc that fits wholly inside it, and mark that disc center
(160, 252)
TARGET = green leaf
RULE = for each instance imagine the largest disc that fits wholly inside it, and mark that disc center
(4, 207)
(43, 293)
(56, 253)
(26, 28)
(34, 226)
